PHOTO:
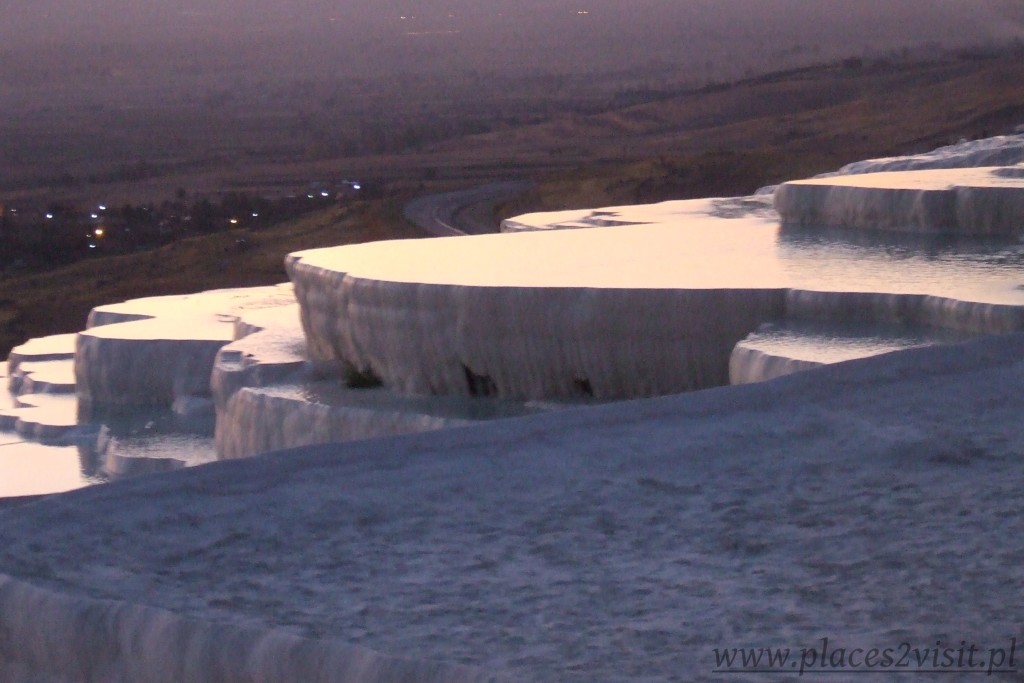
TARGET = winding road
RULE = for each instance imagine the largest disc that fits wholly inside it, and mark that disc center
(466, 212)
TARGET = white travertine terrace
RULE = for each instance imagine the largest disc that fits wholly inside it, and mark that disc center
(132, 643)
(654, 303)
(782, 348)
(670, 212)
(44, 377)
(157, 350)
(264, 419)
(978, 201)
(620, 543)
(1001, 150)
(56, 347)
(648, 508)
(648, 309)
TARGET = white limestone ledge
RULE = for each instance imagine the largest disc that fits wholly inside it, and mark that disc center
(159, 350)
(258, 421)
(147, 362)
(49, 637)
(604, 314)
(944, 320)
(976, 201)
(635, 523)
(527, 342)
(1001, 150)
(42, 417)
(748, 365)
(783, 347)
(269, 348)
(921, 310)
(263, 419)
(621, 313)
(56, 347)
(43, 377)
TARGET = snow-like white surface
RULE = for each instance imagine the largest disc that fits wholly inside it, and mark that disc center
(258, 421)
(41, 416)
(157, 350)
(621, 543)
(224, 304)
(124, 643)
(1001, 150)
(874, 502)
(56, 347)
(649, 309)
(525, 342)
(263, 419)
(982, 201)
(782, 348)
(44, 377)
(670, 212)
(689, 254)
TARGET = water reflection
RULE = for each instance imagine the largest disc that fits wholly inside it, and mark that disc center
(833, 342)
(989, 270)
(101, 445)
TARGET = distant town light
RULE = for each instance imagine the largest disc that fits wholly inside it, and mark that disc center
(234, 221)
(255, 215)
(356, 186)
(49, 215)
(309, 196)
(92, 245)
(99, 232)
(102, 207)
(325, 194)
(94, 216)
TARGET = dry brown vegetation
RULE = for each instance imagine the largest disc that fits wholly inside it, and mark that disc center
(726, 140)
(59, 300)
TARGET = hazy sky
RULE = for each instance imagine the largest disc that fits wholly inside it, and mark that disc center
(44, 20)
(500, 34)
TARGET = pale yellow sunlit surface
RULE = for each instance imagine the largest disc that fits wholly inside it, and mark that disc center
(932, 179)
(31, 468)
(682, 245)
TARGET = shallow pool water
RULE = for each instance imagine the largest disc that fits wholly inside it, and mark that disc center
(48, 446)
(835, 342)
(983, 270)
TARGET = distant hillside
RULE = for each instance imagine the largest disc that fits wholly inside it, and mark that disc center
(723, 140)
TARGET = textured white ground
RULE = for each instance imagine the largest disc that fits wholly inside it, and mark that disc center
(874, 502)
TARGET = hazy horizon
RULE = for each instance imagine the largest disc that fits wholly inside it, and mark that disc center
(550, 35)
(103, 88)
